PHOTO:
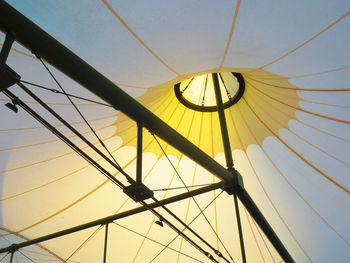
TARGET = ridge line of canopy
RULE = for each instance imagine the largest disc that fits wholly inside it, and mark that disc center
(235, 15)
(262, 238)
(49, 141)
(55, 103)
(21, 52)
(301, 89)
(256, 241)
(59, 125)
(305, 100)
(137, 37)
(299, 108)
(319, 73)
(307, 41)
(48, 159)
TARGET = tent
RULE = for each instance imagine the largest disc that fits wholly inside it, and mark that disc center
(282, 68)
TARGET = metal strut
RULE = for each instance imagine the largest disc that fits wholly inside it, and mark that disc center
(223, 124)
(11, 258)
(228, 155)
(239, 226)
(105, 244)
(139, 153)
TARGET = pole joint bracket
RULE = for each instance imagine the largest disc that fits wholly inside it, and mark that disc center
(235, 185)
(138, 192)
(12, 248)
(8, 77)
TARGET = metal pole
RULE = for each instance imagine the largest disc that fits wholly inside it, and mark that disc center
(259, 218)
(35, 39)
(228, 155)
(5, 50)
(239, 225)
(11, 258)
(105, 246)
(139, 153)
(112, 218)
(223, 124)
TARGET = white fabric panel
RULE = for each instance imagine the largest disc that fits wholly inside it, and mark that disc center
(301, 176)
(258, 38)
(243, 163)
(329, 111)
(277, 191)
(190, 36)
(331, 80)
(318, 159)
(326, 52)
(339, 129)
(327, 143)
(335, 98)
(91, 31)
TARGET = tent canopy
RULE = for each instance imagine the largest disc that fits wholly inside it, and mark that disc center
(289, 133)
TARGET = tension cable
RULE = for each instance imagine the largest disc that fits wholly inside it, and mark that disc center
(157, 242)
(79, 112)
(177, 173)
(171, 241)
(67, 94)
(82, 244)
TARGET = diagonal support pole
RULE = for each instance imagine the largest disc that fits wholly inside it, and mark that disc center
(11, 258)
(228, 155)
(242, 194)
(264, 225)
(223, 124)
(239, 226)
